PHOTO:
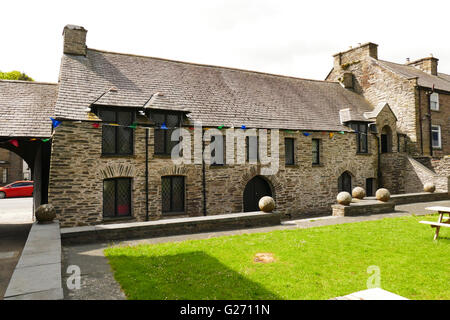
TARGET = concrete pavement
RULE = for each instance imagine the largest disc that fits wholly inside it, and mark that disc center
(15, 222)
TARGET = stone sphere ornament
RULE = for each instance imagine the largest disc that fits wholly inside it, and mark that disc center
(45, 213)
(358, 193)
(429, 187)
(383, 195)
(344, 198)
(266, 204)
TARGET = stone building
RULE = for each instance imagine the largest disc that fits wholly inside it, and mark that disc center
(418, 95)
(111, 147)
(101, 173)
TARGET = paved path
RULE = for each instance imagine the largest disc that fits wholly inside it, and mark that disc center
(15, 223)
(97, 281)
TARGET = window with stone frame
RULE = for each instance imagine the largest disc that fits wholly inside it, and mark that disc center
(117, 139)
(436, 136)
(165, 124)
(116, 197)
(289, 151)
(434, 101)
(316, 151)
(252, 148)
(218, 154)
(172, 194)
(361, 136)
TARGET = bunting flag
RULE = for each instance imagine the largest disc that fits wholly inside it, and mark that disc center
(220, 127)
(164, 126)
(341, 132)
(45, 140)
(243, 127)
(289, 131)
(14, 142)
(55, 122)
(33, 139)
(133, 126)
(191, 128)
(96, 125)
(306, 134)
(331, 135)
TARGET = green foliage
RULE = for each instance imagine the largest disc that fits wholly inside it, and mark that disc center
(15, 75)
(315, 263)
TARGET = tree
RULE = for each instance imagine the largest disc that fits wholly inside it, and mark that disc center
(15, 75)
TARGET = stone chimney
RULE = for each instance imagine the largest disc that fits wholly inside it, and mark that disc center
(354, 55)
(428, 65)
(74, 40)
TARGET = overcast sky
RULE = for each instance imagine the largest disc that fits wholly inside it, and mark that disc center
(296, 38)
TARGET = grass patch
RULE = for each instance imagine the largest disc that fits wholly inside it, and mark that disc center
(315, 263)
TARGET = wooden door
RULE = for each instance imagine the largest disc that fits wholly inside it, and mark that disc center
(255, 189)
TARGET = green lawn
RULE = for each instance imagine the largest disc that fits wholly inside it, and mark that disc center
(315, 263)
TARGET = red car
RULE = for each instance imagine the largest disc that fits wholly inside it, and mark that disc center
(17, 189)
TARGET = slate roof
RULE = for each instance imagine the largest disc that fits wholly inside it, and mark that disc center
(213, 95)
(441, 81)
(25, 108)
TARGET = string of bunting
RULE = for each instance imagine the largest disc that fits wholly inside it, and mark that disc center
(56, 123)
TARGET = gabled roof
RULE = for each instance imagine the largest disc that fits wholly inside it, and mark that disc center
(25, 108)
(440, 82)
(213, 95)
(373, 114)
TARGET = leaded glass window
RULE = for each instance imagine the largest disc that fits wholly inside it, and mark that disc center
(117, 140)
(165, 124)
(117, 197)
(289, 151)
(172, 194)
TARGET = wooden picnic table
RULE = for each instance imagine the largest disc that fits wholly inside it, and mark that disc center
(439, 223)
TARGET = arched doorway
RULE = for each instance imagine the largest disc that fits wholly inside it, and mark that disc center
(386, 139)
(345, 182)
(255, 189)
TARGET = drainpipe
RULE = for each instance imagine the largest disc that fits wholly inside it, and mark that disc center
(146, 174)
(429, 123)
(203, 178)
(379, 162)
(420, 123)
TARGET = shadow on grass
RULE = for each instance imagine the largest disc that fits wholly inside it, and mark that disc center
(190, 276)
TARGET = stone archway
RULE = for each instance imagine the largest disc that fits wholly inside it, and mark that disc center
(345, 182)
(254, 190)
(36, 153)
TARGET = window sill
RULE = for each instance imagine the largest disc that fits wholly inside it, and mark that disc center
(114, 219)
(118, 156)
(217, 166)
(171, 214)
(366, 153)
(162, 156)
(318, 165)
(292, 166)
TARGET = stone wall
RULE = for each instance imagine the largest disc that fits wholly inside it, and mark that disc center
(440, 118)
(13, 164)
(378, 84)
(77, 171)
(404, 174)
